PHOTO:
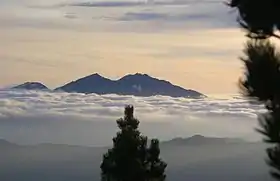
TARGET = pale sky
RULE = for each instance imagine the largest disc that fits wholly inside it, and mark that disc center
(192, 44)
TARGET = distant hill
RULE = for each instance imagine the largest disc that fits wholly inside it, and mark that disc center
(136, 84)
(4, 143)
(207, 162)
(202, 140)
(31, 86)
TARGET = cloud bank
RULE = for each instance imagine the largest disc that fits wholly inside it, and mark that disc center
(34, 117)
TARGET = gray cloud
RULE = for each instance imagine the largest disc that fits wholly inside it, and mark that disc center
(32, 117)
(144, 16)
(70, 15)
(193, 15)
(108, 4)
(160, 15)
(148, 16)
(140, 3)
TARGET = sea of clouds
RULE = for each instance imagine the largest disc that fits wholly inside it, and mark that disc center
(30, 117)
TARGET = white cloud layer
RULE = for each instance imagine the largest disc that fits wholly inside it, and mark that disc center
(33, 117)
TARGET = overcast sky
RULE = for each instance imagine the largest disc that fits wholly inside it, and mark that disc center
(194, 44)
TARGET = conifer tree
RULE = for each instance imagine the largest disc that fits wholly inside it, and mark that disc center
(130, 159)
(261, 83)
(260, 18)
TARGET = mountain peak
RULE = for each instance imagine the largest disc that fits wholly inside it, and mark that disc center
(94, 83)
(197, 136)
(143, 75)
(95, 75)
(31, 86)
(203, 140)
(136, 75)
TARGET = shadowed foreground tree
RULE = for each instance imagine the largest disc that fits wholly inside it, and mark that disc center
(261, 83)
(130, 159)
(260, 18)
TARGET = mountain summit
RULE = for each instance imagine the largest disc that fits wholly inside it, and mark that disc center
(132, 84)
(202, 140)
(94, 83)
(31, 86)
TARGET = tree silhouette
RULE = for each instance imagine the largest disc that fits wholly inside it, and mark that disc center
(260, 18)
(261, 83)
(156, 167)
(130, 159)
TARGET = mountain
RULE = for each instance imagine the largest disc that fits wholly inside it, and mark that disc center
(136, 84)
(31, 86)
(94, 83)
(4, 144)
(202, 140)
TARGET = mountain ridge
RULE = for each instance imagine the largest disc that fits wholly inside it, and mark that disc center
(142, 85)
(188, 141)
(31, 86)
(132, 84)
(203, 140)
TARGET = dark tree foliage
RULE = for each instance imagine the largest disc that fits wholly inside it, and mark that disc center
(130, 159)
(261, 18)
(262, 79)
(262, 84)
